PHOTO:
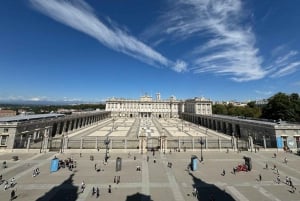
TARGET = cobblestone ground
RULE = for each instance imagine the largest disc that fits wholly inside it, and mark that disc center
(156, 181)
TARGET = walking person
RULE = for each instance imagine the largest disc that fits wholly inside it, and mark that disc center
(93, 191)
(82, 186)
(259, 177)
(12, 194)
(109, 188)
(285, 160)
(278, 179)
(97, 192)
(5, 185)
(195, 192)
(223, 172)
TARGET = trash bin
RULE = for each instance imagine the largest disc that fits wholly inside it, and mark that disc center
(118, 164)
(194, 163)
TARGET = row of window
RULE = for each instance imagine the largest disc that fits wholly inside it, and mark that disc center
(3, 140)
(156, 106)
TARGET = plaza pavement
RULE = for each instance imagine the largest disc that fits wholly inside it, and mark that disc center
(156, 181)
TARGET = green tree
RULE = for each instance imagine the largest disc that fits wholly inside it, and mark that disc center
(282, 106)
(219, 109)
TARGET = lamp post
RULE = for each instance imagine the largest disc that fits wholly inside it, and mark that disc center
(113, 127)
(106, 143)
(62, 143)
(201, 143)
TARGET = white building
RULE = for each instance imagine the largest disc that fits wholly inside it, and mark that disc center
(146, 106)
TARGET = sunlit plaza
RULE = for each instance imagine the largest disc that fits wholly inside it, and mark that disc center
(169, 141)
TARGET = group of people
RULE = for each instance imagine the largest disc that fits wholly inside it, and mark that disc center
(117, 179)
(96, 191)
(11, 185)
(69, 163)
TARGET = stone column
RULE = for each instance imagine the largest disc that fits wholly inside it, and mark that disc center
(234, 143)
(250, 141)
(265, 143)
(206, 142)
(125, 144)
(193, 143)
(96, 144)
(45, 142)
(66, 141)
(81, 143)
(28, 143)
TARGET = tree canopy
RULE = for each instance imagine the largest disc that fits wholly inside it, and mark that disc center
(283, 106)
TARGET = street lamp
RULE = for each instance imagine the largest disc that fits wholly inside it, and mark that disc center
(201, 143)
(106, 143)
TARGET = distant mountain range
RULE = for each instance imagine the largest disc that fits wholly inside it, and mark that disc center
(45, 102)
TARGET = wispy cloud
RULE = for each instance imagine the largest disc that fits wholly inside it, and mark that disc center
(266, 93)
(230, 45)
(284, 64)
(80, 16)
(286, 70)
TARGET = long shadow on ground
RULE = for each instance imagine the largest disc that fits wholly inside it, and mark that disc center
(209, 192)
(66, 191)
(138, 197)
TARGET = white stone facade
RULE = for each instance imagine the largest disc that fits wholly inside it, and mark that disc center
(147, 107)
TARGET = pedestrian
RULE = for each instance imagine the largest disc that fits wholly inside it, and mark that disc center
(109, 188)
(293, 189)
(95, 166)
(275, 155)
(285, 160)
(5, 185)
(93, 191)
(97, 192)
(278, 179)
(259, 177)
(147, 158)
(115, 179)
(233, 169)
(195, 192)
(12, 182)
(118, 180)
(82, 186)
(12, 194)
(290, 182)
(223, 173)
(287, 180)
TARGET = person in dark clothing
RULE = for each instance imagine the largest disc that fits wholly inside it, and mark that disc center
(12, 194)
(97, 192)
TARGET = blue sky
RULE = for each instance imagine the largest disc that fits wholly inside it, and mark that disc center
(95, 49)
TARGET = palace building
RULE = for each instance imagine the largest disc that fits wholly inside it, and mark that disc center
(146, 106)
